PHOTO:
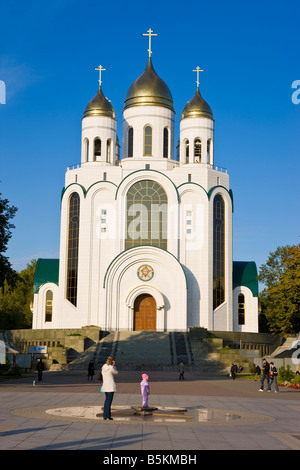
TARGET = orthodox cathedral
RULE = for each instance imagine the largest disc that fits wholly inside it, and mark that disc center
(146, 236)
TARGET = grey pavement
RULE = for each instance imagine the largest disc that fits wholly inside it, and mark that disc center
(60, 413)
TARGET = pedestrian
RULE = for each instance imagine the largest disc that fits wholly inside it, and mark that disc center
(257, 372)
(265, 374)
(145, 390)
(181, 370)
(273, 377)
(40, 368)
(91, 370)
(297, 369)
(109, 387)
(233, 370)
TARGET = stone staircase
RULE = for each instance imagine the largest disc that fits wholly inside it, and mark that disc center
(135, 350)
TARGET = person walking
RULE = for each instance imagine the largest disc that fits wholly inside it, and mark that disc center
(145, 390)
(91, 370)
(273, 377)
(233, 370)
(40, 368)
(257, 372)
(108, 371)
(265, 374)
(181, 370)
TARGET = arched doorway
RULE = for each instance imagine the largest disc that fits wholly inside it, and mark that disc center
(144, 313)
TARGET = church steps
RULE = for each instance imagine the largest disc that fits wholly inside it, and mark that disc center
(135, 350)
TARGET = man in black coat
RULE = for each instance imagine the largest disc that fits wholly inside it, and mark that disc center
(265, 374)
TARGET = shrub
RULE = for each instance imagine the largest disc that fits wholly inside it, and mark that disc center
(286, 374)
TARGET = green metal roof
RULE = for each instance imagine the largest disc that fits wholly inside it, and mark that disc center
(46, 271)
(245, 274)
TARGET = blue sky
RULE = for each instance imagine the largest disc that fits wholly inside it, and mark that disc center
(250, 55)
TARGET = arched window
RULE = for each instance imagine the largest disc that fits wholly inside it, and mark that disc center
(197, 150)
(86, 150)
(108, 150)
(130, 142)
(147, 206)
(187, 152)
(97, 148)
(208, 150)
(166, 143)
(219, 252)
(73, 244)
(148, 141)
(241, 309)
(49, 306)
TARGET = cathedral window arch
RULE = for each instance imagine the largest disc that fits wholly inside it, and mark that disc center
(130, 143)
(166, 143)
(148, 141)
(108, 150)
(97, 148)
(146, 215)
(197, 150)
(86, 145)
(218, 251)
(48, 306)
(73, 248)
(241, 309)
(208, 150)
(187, 151)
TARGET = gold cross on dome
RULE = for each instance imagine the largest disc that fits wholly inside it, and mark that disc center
(101, 69)
(198, 70)
(150, 34)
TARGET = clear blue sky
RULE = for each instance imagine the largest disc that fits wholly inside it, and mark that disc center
(250, 55)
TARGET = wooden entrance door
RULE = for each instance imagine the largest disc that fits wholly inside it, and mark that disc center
(145, 313)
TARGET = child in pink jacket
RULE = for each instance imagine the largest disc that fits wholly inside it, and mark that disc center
(145, 390)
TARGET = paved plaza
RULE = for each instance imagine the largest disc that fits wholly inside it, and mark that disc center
(63, 412)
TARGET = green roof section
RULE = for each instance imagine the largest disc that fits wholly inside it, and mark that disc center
(245, 274)
(46, 271)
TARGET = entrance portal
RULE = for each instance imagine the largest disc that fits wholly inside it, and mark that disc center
(144, 313)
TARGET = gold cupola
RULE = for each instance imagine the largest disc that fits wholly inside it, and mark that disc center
(99, 105)
(149, 90)
(197, 107)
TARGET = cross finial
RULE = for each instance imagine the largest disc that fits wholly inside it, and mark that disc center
(100, 68)
(198, 70)
(150, 34)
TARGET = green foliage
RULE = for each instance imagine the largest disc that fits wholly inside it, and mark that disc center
(15, 300)
(7, 213)
(285, 374)
(280, 298)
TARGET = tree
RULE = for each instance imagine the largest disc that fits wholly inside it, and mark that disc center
(6, 214)
(281, 296)
(15, 300)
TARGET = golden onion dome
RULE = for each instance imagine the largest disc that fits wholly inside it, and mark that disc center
(99, 106)
(149, 89)
(197, 107)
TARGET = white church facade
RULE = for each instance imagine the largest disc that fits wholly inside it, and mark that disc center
(146, 236)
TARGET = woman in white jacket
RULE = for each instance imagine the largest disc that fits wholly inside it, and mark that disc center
(109, 387)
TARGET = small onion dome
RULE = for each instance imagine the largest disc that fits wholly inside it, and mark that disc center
(197, 107)
(149, 89)
(99, 106)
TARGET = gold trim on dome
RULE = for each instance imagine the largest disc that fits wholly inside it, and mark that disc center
(197, 107)
(149, 89)
(99, 106)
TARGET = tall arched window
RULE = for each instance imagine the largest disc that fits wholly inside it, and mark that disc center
(49, 306)
(187, 152)
(108, 150)
(147, 206)
(219, 252)
(86, 150)
(97, 148)
(148, 141)
(73, 245)
(130, 142)
(241, 309)
(197, 150)
(166, 143)
(208, 150)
